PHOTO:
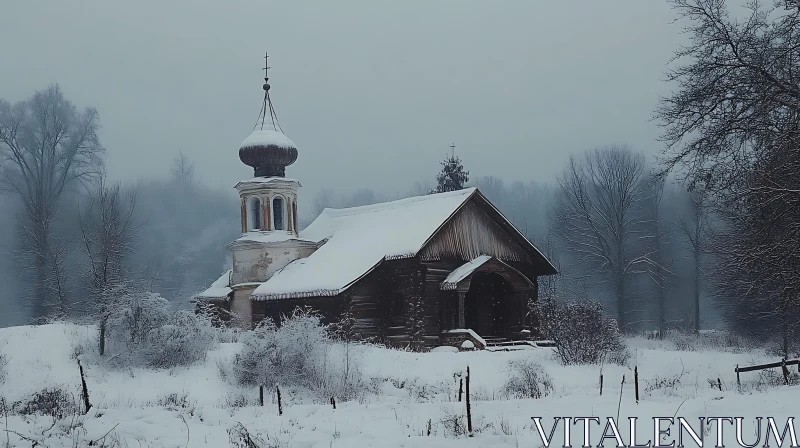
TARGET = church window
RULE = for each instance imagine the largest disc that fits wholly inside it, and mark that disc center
(254, 213)
(278, 212)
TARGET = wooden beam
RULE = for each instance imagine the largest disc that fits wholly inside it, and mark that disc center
(461, 320)
(767, 366)
(244, 216)
(267, 215)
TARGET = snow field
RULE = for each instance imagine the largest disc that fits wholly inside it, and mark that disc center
(196, 406)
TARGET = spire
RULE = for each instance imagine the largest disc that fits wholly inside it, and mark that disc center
(267, 106)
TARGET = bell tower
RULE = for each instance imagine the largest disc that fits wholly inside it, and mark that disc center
(269, 200)
(270, 230)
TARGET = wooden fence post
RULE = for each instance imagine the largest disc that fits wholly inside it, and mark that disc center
(261, 395)
(601, 384)
(333, 403)
(469, 409)
(85, 390)
(785, 371)
(460, 388)
(738, 380)
(280, 406)
(719, 383)
(621, 388)
(636, 382)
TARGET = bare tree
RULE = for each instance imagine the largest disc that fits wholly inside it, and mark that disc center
(596, 217)
(421, 188)
(46, 146)
(324, 199)
(736, 82)
(362, 196)
(759, 246)
(107, 231)
(656, 238)
(183, 169)
(732, 126)
(697, 231)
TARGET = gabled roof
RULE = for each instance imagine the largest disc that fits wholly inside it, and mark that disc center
(358, 239)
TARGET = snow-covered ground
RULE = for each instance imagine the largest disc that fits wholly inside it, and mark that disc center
(410, 394)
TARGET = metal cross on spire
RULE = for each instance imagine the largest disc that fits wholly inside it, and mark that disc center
(266, 107)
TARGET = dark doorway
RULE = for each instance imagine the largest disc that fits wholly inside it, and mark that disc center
(486, 305)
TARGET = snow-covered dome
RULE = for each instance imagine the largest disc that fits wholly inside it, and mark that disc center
(269, 152)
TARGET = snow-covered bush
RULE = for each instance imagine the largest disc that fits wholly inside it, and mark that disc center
(711, 341)
(582, 332)
(144, 329)
(453, 423)
(239, 400)
(174, 400)
(299, 353)
(132, 317)
(183, 340)
(240, 437)
(527, 379)
(663, 385)
(52, 402)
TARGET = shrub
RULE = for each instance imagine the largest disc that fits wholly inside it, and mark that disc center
(51, 402)
(453, 423)
(298, 354)
(238, 400)
(527, 379)
(174, 400)
(666, 385)
(132, 318)
(281, 356)
(184, 340)
(582, 332)
(724, 341)
(144, 329)
(240, 437)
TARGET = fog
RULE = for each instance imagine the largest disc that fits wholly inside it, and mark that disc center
(372, 92)
(358, 85)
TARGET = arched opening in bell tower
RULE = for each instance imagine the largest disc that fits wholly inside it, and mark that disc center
(254, 213)
(278, 213)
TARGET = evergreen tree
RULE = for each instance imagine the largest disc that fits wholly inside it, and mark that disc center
(452, 177)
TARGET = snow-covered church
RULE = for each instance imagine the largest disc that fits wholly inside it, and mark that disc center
(432, 270)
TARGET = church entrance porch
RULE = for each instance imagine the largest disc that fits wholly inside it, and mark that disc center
(486, 307)
(487, 299)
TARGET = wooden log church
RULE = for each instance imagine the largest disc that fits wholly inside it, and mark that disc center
(432, 270)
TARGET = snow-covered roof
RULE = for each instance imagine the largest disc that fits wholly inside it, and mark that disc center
(267, 137)
(266, 180)
(219, 289)
(268, 237)
(460, 273)
(358, 239)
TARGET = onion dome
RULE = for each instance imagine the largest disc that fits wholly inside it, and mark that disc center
(268, 150)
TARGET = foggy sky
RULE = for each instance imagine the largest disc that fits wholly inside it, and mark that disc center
(372, 92)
